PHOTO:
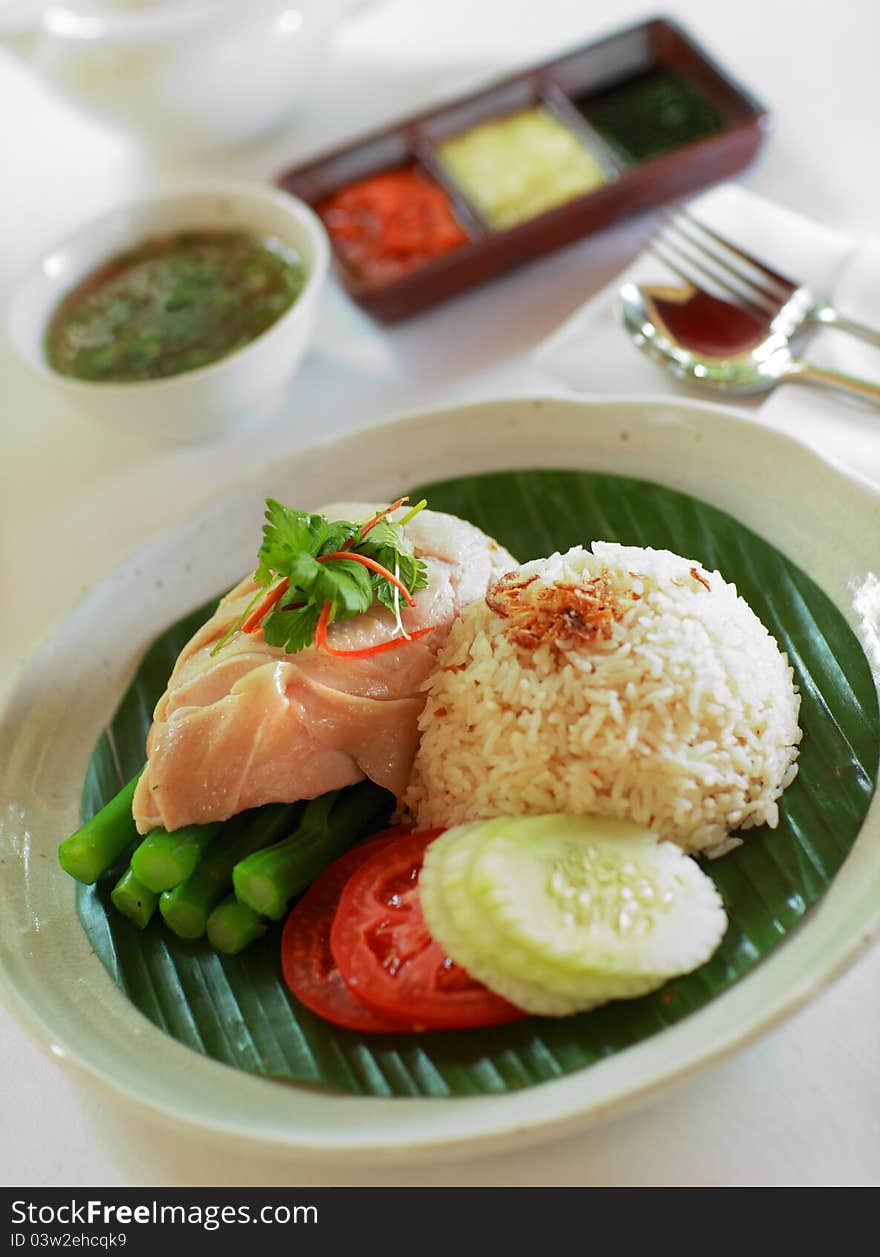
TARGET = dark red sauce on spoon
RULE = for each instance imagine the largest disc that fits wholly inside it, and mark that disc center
(704, 323)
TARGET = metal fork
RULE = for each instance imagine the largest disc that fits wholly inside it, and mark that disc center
(685, 244)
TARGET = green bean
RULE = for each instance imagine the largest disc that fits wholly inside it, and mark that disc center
(267, 880)
(165, 859)
(133, 899)
(98, 844)
(232, 926)
(187, 907)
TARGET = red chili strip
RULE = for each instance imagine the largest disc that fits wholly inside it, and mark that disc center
(374, 521)
(262, 609)
(323, 644)
(373, 565)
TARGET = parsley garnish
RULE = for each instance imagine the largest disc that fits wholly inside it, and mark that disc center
(312, 571)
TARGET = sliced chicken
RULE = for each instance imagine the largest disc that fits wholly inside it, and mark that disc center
(253, 725)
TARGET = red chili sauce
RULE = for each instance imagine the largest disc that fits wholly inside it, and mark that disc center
(389, 224)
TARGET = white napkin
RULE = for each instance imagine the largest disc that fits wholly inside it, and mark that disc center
(591, 353)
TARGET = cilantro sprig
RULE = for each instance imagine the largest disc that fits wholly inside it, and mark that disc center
(312, 571)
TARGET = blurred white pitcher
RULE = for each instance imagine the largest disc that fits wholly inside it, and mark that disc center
(180, 74)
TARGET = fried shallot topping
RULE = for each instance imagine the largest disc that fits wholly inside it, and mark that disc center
(698, 575)
(559, 615)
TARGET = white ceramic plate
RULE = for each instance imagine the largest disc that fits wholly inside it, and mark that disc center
(68, 689)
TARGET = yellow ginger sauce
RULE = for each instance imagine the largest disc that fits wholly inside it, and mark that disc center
(514, 168)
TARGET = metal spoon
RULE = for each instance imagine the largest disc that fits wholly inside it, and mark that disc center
(699, 337)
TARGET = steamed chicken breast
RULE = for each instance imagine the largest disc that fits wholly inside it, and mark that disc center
(253, 725)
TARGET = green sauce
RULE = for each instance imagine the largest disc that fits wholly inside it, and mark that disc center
(173, 305)
(650, 114)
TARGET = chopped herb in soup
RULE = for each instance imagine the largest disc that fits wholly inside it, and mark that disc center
(173, 305)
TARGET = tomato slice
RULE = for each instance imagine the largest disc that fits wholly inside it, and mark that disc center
(383, 949)
(306, 960)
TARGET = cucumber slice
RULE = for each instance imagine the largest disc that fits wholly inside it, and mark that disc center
(597, 896)
(559, 913)
(457, 921)
(454, 920)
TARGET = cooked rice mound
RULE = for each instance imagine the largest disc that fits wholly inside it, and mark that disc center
(625, 682)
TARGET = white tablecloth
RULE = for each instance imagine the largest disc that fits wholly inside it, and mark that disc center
(801, 1106)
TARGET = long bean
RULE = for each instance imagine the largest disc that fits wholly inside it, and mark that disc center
(187, 907)
(232, 926)
(133, 900)
(99, 843)
(267, 880)
(166, 858)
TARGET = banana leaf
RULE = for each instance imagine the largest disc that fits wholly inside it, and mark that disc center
(237, 1009)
